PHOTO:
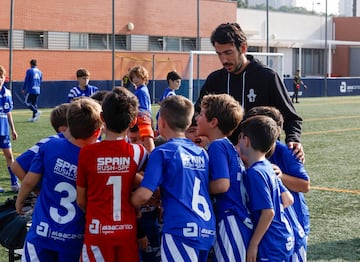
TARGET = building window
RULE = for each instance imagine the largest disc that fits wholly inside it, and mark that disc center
(312, 61)
(98, 41)
(273, 49)
(4, 39)
(188, 44)
(120, 42)
(35, 39)
(254, 49)
(78, 41)
(172, 44)
(156, 43)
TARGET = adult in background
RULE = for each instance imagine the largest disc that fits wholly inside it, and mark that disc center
(250, 82)
(297, 84)
(31, 89)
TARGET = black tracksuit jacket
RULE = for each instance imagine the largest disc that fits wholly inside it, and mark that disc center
(257, 85)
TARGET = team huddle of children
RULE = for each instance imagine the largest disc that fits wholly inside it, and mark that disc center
(103, 200)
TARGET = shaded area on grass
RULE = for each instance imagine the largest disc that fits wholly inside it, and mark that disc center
(344, 250)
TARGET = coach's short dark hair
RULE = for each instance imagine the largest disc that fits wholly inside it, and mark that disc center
(228, 33)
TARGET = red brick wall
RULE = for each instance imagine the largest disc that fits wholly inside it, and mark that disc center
(160, 17)
(62, 65)
(346, 29)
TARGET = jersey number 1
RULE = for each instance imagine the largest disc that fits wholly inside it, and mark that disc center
(116, 182)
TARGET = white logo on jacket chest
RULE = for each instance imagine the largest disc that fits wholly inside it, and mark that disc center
(251, 96)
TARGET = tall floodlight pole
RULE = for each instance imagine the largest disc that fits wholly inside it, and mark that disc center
(197, 48)
(113, 45)
(326, 49)
(267, 31)
(354, 8)
(11, 42)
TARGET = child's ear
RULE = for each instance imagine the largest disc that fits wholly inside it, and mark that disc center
(247, 141)
(102, 117)
(97, 132)
(214, 122)
(161, 122)
(61, 129)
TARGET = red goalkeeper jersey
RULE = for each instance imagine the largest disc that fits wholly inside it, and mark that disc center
(107, 171)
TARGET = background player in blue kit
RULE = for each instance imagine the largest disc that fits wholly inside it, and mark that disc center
(219, 116)
(57, 229)
(31, 89)
(273, 238)
(174, 81)
(6, 122)
(180, 169)
(139, 76)
(83, 88)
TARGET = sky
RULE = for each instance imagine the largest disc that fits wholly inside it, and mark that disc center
(319, 5)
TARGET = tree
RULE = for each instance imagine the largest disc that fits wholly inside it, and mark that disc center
(242, 3)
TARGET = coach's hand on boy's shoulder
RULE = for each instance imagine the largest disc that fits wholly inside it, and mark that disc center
(298, 150)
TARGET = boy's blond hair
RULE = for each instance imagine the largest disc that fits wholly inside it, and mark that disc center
(2, 70)
(83, 118)
(177, 111)
(225, 109)
(140, 72)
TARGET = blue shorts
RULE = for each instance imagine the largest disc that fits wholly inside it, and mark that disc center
(32, 252)
(5, 142)
(173, 249)
(232, 238)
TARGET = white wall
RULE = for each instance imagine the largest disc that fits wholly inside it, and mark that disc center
(286, 31)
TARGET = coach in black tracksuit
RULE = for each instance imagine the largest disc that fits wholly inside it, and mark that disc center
(249, 82)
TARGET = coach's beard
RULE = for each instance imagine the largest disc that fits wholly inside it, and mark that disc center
(237, 68)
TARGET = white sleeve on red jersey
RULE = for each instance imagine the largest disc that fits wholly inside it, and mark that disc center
(140, 156)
